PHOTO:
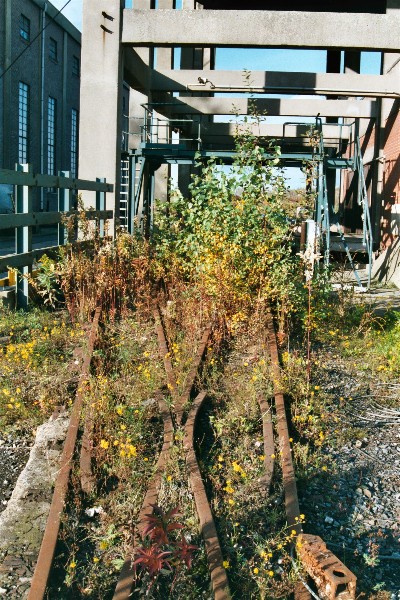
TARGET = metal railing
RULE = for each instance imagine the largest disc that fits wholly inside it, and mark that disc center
(24, 219)
(362, 198)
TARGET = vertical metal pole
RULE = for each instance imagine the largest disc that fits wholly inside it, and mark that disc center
(23, 236)
(101, 205)
(64, 205)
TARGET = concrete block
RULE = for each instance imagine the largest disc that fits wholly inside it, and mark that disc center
(7, 297)
(386, 268)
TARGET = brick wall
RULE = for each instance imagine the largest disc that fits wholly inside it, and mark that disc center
(390, 221)
(387, 214)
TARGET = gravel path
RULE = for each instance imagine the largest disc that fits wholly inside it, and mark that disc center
(355, 507)
(14, 453)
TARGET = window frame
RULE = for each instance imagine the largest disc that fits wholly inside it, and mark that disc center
(53, 49)
(51, 134)
(76, 66)
(74, 146)
(23, 122)
(24, 28)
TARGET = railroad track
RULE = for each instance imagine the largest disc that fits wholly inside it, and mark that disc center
(332, 577)
(45, 559)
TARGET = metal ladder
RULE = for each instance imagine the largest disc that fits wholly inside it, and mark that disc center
(124, 195)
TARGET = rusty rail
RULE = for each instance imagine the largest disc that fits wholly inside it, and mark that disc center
(46, 554)
(126, 579)
(164, 353)
(269, 446)
(127, 576)
(333, 579)
(191, 376)
(219, 578)
(85, 459)
(288, 475)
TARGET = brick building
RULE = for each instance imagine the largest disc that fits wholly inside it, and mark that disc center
(39, 94)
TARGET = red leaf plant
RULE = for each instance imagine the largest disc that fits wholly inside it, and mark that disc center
(161, 524)
(184, 551)
(152, 559)
(162, 553)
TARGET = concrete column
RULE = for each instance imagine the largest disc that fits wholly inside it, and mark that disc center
(194, 58)
(100, 104)
(164, 60)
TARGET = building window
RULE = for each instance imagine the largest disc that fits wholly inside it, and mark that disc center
(51, 135)
(76, 67)
(25, 28)
(53, 49)
(74, 142)
(23, 115)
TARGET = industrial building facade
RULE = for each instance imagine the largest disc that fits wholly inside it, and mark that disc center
(39, 92)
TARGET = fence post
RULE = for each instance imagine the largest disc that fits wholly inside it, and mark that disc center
(23, 236)
(64, 205)
(101, 205)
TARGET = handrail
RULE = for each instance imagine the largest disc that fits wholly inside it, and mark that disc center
(31, 179)
(24, 218)
(12, 220)
(363, 202)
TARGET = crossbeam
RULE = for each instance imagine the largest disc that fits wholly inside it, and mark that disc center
(143, 78)
(271, 106)
(245, 28)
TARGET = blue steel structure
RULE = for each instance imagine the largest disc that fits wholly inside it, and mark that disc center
(158, 147)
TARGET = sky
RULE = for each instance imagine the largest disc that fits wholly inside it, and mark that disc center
(73, 11)
(264, 59)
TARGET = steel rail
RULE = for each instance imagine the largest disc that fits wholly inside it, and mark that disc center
(269, 445)
(329, 573)
(85, 459)
(46, 554)
(164, 352)
(288, 475)
(219, 577)
(126, 579)
(191, 376)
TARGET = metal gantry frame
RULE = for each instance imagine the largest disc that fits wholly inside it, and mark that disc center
(158, 147)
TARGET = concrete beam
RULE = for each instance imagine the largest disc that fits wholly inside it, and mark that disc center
(258, 28)
(271, 106)
(268, 82)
